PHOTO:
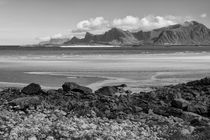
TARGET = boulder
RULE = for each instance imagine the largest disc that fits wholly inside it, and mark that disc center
(32, 89)
(180, 103)
(71, 86)
(197, 122)
(107, 90)
(174, 112)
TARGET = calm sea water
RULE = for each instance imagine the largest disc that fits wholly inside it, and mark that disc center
(96, 67)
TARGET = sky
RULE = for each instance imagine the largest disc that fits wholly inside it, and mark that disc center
(31, 21)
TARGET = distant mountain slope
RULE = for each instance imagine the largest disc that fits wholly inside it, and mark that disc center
(54, 41)
(189, 33)
(114, 36)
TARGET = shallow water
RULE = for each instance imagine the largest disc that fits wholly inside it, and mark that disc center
(139, 70)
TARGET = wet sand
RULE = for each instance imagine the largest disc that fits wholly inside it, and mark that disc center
(139, 71)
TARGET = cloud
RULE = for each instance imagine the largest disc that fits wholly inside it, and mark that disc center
(59, 35)
(147, 23)
(127, 23)
(68, 34)
(93, 24)
(55, 36)
(46, 38)
(204, 15)
(152, 22)
(132, 23)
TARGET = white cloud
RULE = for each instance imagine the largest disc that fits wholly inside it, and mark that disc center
(46, 38)
(146, 23)
(204, 15)
(127, 23)
(132, 23)
(55, 36)
(151, 22)
(93, 24)
(59, 35)
(68, 34)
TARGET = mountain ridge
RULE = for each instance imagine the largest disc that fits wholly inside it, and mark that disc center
(188, 33)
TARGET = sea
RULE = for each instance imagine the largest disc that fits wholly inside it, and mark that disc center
(141, 68)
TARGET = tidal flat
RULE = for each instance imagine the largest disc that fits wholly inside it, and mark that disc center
(98, 68)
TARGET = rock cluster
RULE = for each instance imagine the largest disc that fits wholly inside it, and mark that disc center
(189, 102)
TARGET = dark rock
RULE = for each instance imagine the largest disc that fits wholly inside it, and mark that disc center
(180, 103)
(32, 89)
(121, 86)
(197, 122)
(53, 92)
(107, 90)
(71, 86)
(202, 82)
(174, 112)
(128, 92)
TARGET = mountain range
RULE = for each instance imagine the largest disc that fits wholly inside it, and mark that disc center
(188, 33)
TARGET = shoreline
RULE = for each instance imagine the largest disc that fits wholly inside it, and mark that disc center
(155, 79)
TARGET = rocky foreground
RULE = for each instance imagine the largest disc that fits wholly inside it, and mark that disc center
(74, 112)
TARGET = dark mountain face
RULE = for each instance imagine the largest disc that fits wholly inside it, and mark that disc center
(189, 33)
(112, 37)
(144, 36)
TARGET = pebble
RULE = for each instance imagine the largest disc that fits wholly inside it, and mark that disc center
(50, 138)
(32, 138)
(185, 132)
